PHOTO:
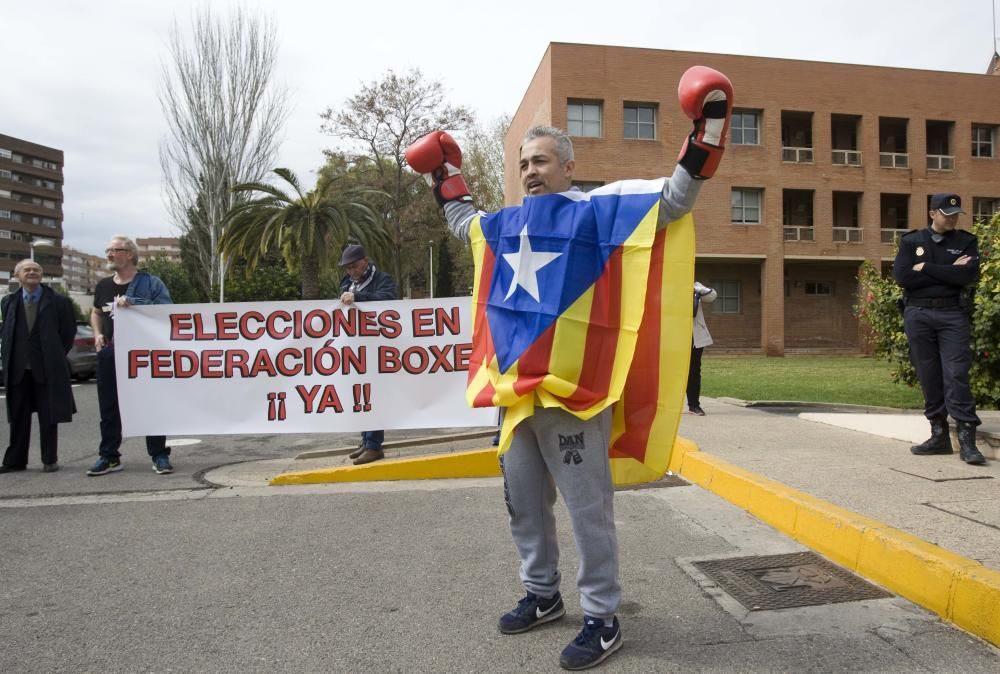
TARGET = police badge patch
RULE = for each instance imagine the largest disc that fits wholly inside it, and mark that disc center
(920, 251)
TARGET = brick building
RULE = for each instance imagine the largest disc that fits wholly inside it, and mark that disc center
(31, 214)
(826, 165)
(82, 271)
(162, 247)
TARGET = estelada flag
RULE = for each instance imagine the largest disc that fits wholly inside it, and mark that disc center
(582, 302)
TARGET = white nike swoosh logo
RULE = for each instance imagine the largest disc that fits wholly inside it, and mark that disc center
(539, 613)
(605, 645)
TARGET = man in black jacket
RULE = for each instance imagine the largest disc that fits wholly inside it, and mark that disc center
(934, 266)
(37, 333)
(365, 283)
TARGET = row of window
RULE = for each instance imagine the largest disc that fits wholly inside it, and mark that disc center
(746, 204)
(28, 180)
(21, 159)
(33, 219)
(585, 119)
(27, 198)
(728, 300)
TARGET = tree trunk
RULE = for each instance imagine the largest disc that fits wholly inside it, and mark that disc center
(310, 277)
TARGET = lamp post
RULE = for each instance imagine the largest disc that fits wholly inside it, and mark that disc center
(430, 274)
(39, 243)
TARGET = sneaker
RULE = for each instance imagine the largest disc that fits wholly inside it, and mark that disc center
(105, 466)
(161, 465)
(697, 411)
(532, 611)
(592, 646)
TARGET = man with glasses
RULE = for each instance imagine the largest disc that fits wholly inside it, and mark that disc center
(127, 286)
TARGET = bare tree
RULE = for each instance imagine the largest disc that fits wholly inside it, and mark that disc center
(482, 151)
(224, 117)
(382, 120)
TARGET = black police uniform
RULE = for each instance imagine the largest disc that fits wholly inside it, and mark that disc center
(936, 323)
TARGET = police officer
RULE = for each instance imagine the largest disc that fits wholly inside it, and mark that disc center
(933, 266)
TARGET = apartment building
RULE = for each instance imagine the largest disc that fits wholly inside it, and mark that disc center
(159, 247)
(82, 271)
(31, 197)
(827, 165)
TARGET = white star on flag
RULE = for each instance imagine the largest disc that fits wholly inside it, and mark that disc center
(526, 264)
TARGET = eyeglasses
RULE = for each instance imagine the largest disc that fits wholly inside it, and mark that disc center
(115, 250)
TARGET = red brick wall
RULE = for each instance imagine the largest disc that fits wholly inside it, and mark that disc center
(616, 75)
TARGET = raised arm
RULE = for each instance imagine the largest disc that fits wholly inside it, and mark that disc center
(706, 97)
(439, 158)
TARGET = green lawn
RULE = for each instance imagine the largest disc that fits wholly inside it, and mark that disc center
(840, 379)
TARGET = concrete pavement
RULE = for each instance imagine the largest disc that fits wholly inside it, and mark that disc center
(212, 571)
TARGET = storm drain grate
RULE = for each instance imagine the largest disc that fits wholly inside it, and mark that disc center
(665, 481)
(772, 582)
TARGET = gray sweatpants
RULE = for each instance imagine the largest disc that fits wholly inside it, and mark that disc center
(553, 449)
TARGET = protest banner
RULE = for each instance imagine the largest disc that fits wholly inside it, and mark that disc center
(294, 367)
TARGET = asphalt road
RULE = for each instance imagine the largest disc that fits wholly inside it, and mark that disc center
(135, 572)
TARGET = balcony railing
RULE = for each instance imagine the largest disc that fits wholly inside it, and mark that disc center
(892, 235)
(848, 235)
(893, 159)
(793, 233)
(799, 155)
(846, 157)
(940, 162)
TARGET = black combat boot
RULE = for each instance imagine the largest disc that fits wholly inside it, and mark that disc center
(967, 444)
(939, 442)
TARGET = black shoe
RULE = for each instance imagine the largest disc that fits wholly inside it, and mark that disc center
(105, 466)
(938, 443)
(697, 411)
(11, 469)
(369, 455)
(532, 611)
(357, 452)
(592, 646)
(50, 467)
(967, 449)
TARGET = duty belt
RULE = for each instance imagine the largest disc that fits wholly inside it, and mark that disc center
(933, 302)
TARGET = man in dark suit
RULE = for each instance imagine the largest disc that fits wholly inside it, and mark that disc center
(38, 331)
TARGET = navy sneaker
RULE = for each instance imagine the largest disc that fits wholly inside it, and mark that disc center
(161, 465)
(532, 611)
(104, 466)
(593, 645)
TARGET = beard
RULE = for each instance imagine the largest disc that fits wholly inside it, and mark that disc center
(111, 265)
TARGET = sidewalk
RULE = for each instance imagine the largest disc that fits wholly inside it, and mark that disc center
(862, 462)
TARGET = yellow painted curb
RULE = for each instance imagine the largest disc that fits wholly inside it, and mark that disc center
(477, 463)
(956, 588)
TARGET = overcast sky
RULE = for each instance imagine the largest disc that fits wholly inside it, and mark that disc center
(82, 76)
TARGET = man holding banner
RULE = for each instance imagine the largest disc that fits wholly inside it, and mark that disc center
(591, 382)
(126, 287)
(363, 282)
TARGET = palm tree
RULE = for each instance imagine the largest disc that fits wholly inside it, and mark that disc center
(307, 228)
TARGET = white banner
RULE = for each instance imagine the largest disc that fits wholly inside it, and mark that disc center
(294, 367)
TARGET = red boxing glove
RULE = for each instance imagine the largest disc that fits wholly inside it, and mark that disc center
(438, 157)
(706, 96)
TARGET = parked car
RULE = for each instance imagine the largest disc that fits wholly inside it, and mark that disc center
(82, 356)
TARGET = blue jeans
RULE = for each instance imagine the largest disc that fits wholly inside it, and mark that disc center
(111, 419)
(372, 439)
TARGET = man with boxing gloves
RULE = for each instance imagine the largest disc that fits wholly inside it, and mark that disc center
(549, 447)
